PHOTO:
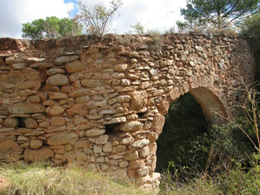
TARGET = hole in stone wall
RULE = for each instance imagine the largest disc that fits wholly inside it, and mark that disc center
(140, 115)
(182, 138)
(112, 128)
(21, 122)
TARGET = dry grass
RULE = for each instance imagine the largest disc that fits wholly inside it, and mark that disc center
(42, 179)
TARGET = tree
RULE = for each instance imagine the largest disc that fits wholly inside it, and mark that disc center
(97, 18)
(219, 14)
(51, 27)
(251, 28)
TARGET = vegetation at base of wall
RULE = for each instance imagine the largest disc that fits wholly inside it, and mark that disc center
(45, 179)
(233, 181)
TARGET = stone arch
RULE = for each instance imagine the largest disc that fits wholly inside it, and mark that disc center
(211, 99)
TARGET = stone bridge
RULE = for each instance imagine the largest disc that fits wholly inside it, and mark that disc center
(101, 104)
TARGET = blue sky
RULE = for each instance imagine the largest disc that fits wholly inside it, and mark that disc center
(153, 14)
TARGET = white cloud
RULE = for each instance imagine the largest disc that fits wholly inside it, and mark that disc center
(153, 14)
(15, 12)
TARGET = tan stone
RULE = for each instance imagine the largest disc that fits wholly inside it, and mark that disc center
(107, 147)
(27, 84)
(119, 148)
(123, 98)
(34, 60)
(158, 123)
(57, 121)
(53, 71)
(26, 108)
(42, 65)
(18, 66)
(41, 154)
(141, 143)
(35, 143)
(138, 100)
(91, 83)
(131, 126)
(57, 79)
(132, 156)
(82, 99)
(63, 138)
(80, 156)
(65, 59)
(75, 66)
(94, 132)
(57, 95)
(144, 152)
(8, 144)
(123, 164)
(34, 99)
(23, 138)
(78, 109)
(80, 92)
(120, 67)
(30, 74)
(11, 122)
(97, 149)
(101, 140)
(44, 124)
(31, 123)
(56, 110)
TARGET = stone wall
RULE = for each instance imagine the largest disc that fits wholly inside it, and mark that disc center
(102, 104)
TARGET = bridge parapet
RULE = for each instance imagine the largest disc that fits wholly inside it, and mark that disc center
(101, 104)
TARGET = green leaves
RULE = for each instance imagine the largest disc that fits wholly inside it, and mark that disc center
(51, 27)
(219, 14)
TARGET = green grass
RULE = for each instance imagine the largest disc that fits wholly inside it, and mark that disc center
(42, 179)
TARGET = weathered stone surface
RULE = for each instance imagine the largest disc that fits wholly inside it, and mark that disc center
(34, 59)
(75, 66)
(37, 155)
(65, 59)
(56, 110)
(80, 156)
(94, 132)
(120, 67)
(123, 98)
(8, 144)
(141, 143)
(91, 83)
(27, 84)
(138, 100)
(57, 121)
(61, 139)
(158, 123)
(132, 156)
(30, 123)
(107, 147)
(57, 95)
(131, 126)
(57, 79)
(11, 122)
(26, 108)
(34, 99)
(42, 65)
(35, 143)
(53, 71)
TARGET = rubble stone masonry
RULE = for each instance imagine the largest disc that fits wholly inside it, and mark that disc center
(101, 104)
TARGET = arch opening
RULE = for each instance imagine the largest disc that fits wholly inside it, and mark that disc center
(185, 134)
